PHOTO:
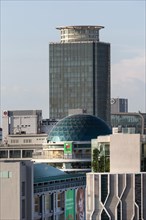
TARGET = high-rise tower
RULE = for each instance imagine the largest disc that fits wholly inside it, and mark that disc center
(79, 73)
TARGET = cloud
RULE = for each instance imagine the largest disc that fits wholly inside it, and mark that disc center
(129, 81)
(129, 69)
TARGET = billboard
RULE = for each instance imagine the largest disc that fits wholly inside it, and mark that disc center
(68, 148)
(70, 205)
(80, 204)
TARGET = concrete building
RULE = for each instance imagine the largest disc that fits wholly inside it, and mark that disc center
(115, 196)
(21, 122)
(21, 147)
(119, 105)
(23, 133)
(38, 191)
(120, 192)
(16, 190)
(79, 73)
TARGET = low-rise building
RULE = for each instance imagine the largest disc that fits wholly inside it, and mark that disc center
(38, 191)
(116, 187)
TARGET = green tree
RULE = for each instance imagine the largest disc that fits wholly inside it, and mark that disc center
(100, 162)
(95, 162)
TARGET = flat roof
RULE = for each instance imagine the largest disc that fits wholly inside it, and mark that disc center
(80, 27)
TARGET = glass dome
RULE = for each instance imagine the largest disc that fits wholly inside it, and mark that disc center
(79, 127)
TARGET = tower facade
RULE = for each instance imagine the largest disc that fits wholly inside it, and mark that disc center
(79, 73)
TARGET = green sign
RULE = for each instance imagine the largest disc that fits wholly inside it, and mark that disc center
(68, 148)
(70, 205)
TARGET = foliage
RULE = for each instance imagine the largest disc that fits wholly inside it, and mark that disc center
(100, 162)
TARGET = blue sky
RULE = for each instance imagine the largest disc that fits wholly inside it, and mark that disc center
(27, 27)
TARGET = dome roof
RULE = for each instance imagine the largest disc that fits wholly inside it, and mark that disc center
(79, 127)
(42, 170)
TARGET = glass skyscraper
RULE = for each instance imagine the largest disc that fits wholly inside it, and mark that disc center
(79, 73)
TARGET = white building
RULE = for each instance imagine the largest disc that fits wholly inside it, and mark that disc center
(16, 190)
(22, 134)
(21, 122)
(116, 196)
(121, 193)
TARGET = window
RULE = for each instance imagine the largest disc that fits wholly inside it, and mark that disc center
(23, 188)
(37, 204)
(4, 154)
(27, 153)
(14, 141)
(23, 208)
(5, 174)
(27, 141)
(47, 203)
(15, 154)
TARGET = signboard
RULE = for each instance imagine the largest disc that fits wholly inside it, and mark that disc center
(70, 205)
(68, 148)
(80, 204)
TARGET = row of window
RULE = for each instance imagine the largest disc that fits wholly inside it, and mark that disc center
(26, 141)
(72, 31)
(16, 154)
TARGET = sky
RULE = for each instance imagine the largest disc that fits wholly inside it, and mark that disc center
(27, 27)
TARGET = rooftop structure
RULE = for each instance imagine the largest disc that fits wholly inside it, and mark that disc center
(80, 127)
(79, 33)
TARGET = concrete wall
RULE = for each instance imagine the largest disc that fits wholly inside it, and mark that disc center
(16, 203)
(118, 196)
(125, 153)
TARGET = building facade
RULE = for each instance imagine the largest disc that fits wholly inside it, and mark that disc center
(114, 196)
(129, 122)
(119, 192)
(124, 152)
(16, 190)
(22, 134)
(21, 122)
(119, 105)
(79, 73)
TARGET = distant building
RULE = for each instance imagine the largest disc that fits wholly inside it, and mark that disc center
(47, 125)
(21, 122)
(38, 191)
(79, 73)
(22, 134)
(22, 147)
(119, 105)
(129, 122)
(116, 189)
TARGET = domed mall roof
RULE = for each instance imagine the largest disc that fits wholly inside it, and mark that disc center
(79, 127)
